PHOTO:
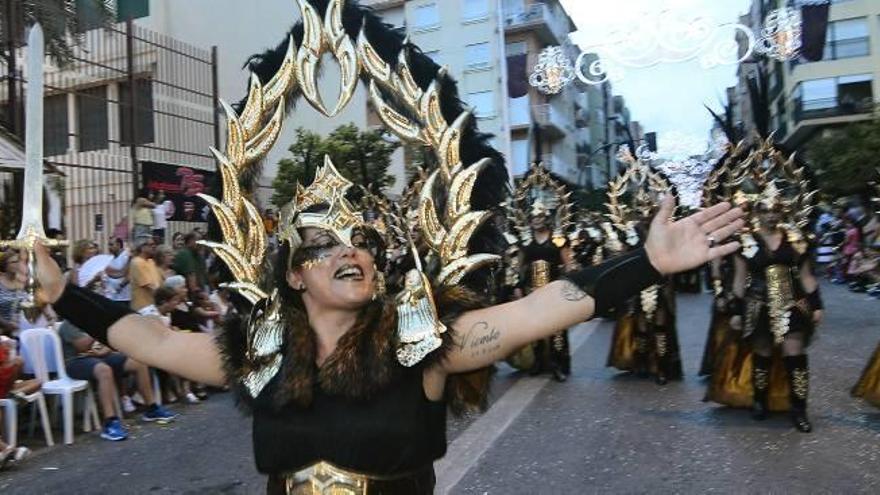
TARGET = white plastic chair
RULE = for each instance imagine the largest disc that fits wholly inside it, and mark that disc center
(37, 402)
(34, 349)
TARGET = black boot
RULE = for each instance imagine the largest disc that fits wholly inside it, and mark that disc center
(760, 386)
(538, 364)
(799, 383)
(640, 357)
(560, 361)
(662, 358)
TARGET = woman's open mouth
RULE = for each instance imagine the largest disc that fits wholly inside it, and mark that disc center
(349, 272)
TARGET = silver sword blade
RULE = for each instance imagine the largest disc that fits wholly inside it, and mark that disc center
(32, 205)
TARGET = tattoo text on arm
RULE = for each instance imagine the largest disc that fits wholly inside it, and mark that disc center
(480, 340)
(572, 293)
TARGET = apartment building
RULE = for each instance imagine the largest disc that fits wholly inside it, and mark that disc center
(476, 39)
(131, 101)
(496, 43)
(843, 87)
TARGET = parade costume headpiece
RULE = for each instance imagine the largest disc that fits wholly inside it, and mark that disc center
(646, 187)
(417, 101)
(536, 186)
(767, 179)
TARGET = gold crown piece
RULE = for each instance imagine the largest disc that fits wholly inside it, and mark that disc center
(329, 188)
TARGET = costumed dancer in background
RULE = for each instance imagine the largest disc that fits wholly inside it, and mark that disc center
(586, 241)
(650, 345)
(349, 387)
(542, 257)
(721, 275)
(868, 386)
(777, 303)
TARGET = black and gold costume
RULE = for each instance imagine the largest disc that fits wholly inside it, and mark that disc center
(360, 422)
(868, 386)
(719, 324)
(645, 339)
(741, 377)
(540, 234)
(765, 365)
(542, 264)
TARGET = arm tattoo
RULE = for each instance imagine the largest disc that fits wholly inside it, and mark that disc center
(481, 339)
(573, 293)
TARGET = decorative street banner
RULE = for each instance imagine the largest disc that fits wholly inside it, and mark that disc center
(181, 186)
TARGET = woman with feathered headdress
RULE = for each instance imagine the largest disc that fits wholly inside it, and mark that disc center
(348, 384)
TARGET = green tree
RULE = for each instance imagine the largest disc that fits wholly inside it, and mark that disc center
(846, 159)
(307, 153)
(363, 157)
(63, 22)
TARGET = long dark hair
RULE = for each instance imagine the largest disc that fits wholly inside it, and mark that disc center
(362, 363)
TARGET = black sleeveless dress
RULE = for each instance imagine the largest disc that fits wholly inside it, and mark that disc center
(757, 318)
(396, 433)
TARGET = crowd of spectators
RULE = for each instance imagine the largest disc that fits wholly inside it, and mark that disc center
(160, 276)
(848, 247)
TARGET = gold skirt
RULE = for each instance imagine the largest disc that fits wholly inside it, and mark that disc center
(714, 342)
(868, 386)
(623, 344)
(523, 359)
(731, 381)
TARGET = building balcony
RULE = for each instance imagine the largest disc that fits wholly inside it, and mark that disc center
(564, 170)
(553, 123)
(550, 27)
(824, 108)
(382, 4)
(812, 115)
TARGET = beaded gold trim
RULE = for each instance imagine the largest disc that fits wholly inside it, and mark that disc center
(780, 299)
(800, 383)
(540, 274)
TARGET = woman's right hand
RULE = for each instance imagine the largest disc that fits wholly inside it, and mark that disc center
(50, 281)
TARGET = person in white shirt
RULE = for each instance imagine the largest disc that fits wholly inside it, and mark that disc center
(116, 283)
(160, 218)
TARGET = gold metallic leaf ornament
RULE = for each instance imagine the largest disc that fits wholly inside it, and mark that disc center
(411, 113)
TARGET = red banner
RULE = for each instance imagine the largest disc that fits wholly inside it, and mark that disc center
(181, 186)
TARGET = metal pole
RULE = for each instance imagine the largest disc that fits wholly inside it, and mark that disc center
(133, 109)
(605, 99)
(11, 68)
(215, 81)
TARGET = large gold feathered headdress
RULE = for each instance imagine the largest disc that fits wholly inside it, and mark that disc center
(409, 111)
(645, 188)
(529, 198)
(767, 179)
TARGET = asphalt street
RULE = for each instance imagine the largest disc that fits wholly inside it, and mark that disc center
(600, 432)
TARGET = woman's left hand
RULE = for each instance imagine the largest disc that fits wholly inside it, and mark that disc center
(817, 317)
(676, 246)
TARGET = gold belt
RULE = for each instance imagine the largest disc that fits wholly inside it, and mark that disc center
(780, 299)
(323, 478)
(540, 274)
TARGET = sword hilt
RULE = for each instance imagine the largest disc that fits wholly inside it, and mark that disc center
(28, 242)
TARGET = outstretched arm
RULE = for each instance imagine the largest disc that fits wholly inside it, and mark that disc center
(488, 335)
(144, 338)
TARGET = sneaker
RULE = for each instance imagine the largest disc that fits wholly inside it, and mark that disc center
(127, 405)
(192, 399)
(114, 431)
(21, 453)
(159, 414)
